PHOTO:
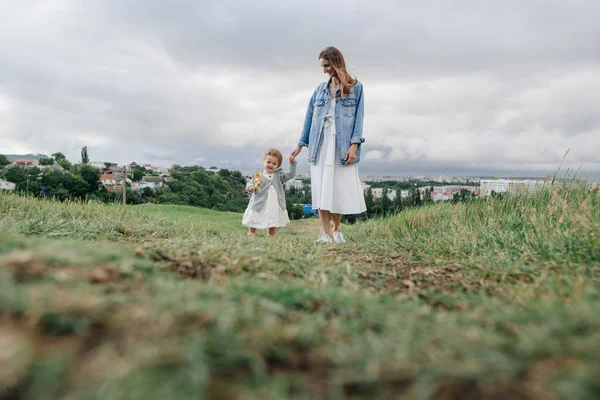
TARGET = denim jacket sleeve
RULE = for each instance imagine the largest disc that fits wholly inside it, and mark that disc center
(286, 176)
(303, 142)
(358, 120)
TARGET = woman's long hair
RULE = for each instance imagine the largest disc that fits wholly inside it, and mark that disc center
(336, 60)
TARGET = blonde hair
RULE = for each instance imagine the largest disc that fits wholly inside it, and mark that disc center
(337, 62)
(274, 153)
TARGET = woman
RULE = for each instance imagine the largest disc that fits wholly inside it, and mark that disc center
(333, 134)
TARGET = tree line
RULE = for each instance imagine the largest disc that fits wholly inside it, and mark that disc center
(191, 185)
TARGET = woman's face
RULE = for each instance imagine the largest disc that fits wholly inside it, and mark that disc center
(327, 68)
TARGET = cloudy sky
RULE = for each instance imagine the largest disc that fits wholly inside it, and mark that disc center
(451, 87)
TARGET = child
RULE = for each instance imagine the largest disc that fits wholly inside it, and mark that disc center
(266, 209)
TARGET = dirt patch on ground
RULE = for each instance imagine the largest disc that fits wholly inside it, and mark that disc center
(393, 274)
(25, 266)
(196, 268)
(190, 266)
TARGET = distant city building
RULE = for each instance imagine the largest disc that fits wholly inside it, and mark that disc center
(489, 186)
(378, 193)
(441, 196)
(294, 183)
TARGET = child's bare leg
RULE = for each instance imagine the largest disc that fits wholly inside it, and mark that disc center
(271, 231)
(337, 219)
(325, 216)
(251, 231)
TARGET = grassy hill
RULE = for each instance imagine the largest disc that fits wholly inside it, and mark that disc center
(495, 299)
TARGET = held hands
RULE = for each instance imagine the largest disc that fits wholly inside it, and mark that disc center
(251, 189)
(294, 153)
(350, 155)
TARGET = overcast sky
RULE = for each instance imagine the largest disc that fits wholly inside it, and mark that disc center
(451, 87)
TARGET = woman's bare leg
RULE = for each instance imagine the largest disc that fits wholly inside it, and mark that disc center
(337, 220)
(325, 217)
(271, 231)
(251, 231)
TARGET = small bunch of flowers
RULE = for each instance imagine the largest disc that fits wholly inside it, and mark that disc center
(257, 181)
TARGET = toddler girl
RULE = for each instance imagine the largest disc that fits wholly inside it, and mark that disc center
(266, 209)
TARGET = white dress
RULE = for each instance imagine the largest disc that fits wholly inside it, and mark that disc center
(334, 187)
(270, 216)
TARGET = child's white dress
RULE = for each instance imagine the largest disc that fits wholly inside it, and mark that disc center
(335, 188)
(270, 216)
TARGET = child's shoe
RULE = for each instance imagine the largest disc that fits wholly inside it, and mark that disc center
(323, 239)
(338, 237)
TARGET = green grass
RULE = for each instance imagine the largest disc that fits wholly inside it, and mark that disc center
(495, 299)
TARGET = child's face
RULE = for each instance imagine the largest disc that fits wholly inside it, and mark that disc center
(271, 164)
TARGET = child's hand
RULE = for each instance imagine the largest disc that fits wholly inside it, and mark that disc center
(294, 153)
(251, 189)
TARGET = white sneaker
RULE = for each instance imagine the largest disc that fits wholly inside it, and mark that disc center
(338, 237)
(323, 239)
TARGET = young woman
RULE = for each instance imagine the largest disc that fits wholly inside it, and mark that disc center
(333, 134)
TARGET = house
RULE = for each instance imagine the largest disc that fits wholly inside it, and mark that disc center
(26, 162)
(6, 185)
(163, 171)
(108, 179)
(149, 181)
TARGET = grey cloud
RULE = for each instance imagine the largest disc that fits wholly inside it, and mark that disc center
(512, 84)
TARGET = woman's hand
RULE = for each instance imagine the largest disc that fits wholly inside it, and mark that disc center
(351, 154)
(294, 153)
(251, 189)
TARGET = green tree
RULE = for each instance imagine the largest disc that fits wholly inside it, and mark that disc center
(427, 199)
(84, 155)
(16, 175)
(59, 156)
(397, 204)
(369, 200)
(66, 164)
(62, 161)
(3, 160)
(148, 192)
(91, 175)
(46, 161)
(414, 197)
(386, 203)
(138, 173)
(296, 212)
(462, 196)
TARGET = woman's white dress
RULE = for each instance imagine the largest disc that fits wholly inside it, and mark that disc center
(335, 187)
(270, 216)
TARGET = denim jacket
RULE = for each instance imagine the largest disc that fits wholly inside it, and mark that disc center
(349, 113)
(278, 179)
